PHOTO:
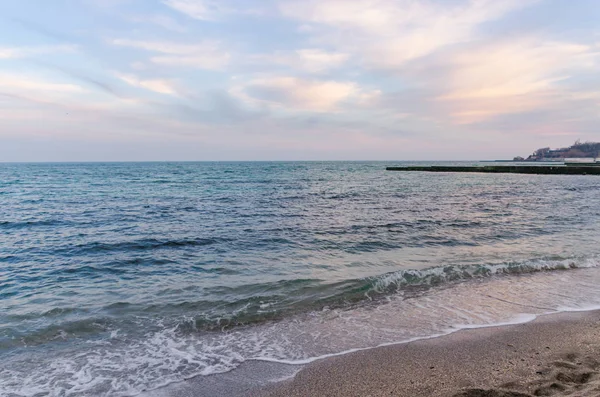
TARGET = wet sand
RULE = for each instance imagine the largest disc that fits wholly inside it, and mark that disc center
(556, 355)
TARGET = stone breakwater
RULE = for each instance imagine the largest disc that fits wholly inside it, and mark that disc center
(511, 169)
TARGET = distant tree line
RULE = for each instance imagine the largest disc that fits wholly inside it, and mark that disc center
(577, 150)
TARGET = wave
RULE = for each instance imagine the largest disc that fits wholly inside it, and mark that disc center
(126, 361)
(277, 300)
(253, 304)
(141, 245)
(444, 274)
(30, 223)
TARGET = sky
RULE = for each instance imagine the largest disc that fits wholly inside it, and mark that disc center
(144, 80)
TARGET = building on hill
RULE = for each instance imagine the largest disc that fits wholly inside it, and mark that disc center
(577, 150)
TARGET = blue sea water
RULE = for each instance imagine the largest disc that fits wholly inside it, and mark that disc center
(120, 278)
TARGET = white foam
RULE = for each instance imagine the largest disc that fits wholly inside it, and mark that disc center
(519, 319)
(125, 366)
(582, 308)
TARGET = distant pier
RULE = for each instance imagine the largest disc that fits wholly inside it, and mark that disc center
(507, 169)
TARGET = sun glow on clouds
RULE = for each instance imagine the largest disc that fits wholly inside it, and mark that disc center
(389, 33)
(401, 72)
(515, 68)
(512, 77)
(293, 93)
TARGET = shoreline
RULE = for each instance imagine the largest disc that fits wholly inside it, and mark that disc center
(496, 359)
(554, 354)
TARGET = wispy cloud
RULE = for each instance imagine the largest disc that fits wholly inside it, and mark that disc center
(388, 33)
(312, 60)
(86, 78)
(24, 83)
(204, 55)
(214, 10)
(511, 76)
(27, 52)
(514, 67)
(162, 21)
(39, 29)
(106, 3)
(160, 86)
(298, 94)
(33, 89)
(197, 9)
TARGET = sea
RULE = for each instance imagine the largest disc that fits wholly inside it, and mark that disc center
(126, 279)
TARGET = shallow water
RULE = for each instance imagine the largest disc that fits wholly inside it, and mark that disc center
(120, 278)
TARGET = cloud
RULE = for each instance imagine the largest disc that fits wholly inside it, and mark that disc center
(297, 94)
(28, 52)
(196, 9)
(388, 33)
(212, 10)
(43, 30)
(31, 84)
(515, 67)
(443, 64)
(160, 20)
(107, 4)
(31, 89)
(312, 60)
(157, 85)
(204, 55)
(342, 78)
(89, 79)
(509, 77)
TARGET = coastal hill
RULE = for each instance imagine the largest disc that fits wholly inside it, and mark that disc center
(577, 150)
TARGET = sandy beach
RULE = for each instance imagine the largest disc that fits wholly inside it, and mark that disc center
(555, 355)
